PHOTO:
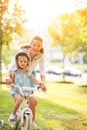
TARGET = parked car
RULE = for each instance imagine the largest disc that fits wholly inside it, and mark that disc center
(54, 70)
(72, 71)
(69, 71)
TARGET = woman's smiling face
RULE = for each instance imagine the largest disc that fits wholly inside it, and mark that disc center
(36, 46)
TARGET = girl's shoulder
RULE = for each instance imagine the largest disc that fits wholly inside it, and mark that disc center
(16, 71)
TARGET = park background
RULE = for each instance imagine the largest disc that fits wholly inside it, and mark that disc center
(63, 26)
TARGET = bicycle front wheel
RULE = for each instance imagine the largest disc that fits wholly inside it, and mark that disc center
(26, 122)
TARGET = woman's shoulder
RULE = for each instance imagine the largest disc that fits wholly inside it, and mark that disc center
(39, 57)
(28, 72)
(40, 54)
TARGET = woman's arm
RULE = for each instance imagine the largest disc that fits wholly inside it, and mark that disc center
(27, 46)
(38, 60)
(10, 79)
(11, 67)
(42, 77)
(42, 69)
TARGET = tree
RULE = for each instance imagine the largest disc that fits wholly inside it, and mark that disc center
(60, 30)
(69, 32)
(11, 21)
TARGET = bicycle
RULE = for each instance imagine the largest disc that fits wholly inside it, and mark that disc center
(24, 113)
(1, 123)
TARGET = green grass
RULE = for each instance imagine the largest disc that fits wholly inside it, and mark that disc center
(62, 107)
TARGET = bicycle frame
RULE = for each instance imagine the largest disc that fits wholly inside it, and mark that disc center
(24, 113)
(25, 110)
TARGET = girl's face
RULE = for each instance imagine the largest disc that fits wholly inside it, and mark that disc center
(36, 46)
(22, 62)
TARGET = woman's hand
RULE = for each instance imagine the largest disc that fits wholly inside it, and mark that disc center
(25, 46)
(42, 86)
(8, 81)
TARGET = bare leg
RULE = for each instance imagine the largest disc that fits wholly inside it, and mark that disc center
(17, 101)
(33, 102)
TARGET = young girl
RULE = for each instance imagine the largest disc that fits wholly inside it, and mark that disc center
(22, 77)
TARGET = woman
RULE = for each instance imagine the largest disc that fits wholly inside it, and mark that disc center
(35, 52)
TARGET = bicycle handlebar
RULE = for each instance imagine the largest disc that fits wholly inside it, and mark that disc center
(24, 89)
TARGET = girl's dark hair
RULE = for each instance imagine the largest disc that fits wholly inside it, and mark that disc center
(21, 54)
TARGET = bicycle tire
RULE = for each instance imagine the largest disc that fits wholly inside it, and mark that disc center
(26, 123)
(17, 125)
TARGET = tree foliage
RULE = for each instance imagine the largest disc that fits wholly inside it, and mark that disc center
(11, 21)
(70, 31)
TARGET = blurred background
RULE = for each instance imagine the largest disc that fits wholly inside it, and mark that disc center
(61, 23)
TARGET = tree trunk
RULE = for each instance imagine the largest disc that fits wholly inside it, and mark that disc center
(63, 75)
(0, 62)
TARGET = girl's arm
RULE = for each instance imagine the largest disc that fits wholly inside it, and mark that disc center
(34, 80)
(41, 84)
